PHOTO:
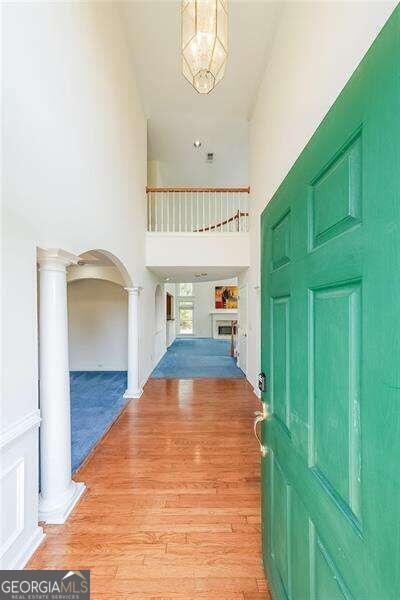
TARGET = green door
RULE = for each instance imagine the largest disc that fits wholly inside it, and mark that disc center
(331, 349)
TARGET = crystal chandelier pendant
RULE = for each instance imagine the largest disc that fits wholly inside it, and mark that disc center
(204, 42)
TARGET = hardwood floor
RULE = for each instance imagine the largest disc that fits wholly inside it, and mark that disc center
(172, 507)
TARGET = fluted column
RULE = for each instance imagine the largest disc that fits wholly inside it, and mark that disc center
(134, 389)
(58, 493)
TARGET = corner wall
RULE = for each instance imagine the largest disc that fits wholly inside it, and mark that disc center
(317, 47)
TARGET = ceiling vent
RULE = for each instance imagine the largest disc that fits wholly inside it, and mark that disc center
(210, 157)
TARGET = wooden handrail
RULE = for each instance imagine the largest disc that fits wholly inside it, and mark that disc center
(238, 215)
(194, 189)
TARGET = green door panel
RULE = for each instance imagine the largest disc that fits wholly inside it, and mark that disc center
(330, 246)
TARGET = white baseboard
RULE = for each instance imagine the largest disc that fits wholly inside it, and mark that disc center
(27, 551)
(162, 354)
(133, 393)
(145, 380)
(257, 392)
(255, 387)
(59, 514)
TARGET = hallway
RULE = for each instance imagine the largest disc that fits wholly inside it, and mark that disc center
(192, 358)
(172, 507)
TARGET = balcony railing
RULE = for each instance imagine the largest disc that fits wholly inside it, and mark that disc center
(198, 210)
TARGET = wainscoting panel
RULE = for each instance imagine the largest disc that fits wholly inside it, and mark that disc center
(20, 534)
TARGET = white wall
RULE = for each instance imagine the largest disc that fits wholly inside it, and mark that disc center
(19, 418)
(179, 164)
(198, 250)
(74, 174)
(98, 326)
(317, 47)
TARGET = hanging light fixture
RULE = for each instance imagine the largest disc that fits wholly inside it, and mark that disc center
(204, 42)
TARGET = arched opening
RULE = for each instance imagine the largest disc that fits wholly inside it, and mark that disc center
(86, 303)
(98, 348)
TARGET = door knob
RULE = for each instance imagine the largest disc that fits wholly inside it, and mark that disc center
(259, 419)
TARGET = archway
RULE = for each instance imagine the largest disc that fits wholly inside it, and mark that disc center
(98, 348)
(90, 271)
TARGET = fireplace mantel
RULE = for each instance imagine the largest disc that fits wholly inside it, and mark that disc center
(222, 317)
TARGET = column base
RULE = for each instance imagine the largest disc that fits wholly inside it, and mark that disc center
(133, 393)
(57, 515)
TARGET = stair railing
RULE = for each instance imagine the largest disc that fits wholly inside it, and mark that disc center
(198, 210)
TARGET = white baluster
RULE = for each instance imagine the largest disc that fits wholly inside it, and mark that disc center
(156, 211)
(151, 211)
(179, 212)
(221, 219)
(239, 203)
(203, 210)
(191, 212)
(162, 211)
(173, 212)
(226, 211)
(215, 212)
(209, 211)
(197, 211)
(186, 211)
(231, 209)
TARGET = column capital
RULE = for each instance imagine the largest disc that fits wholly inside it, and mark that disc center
(55, 258)
(135, 289)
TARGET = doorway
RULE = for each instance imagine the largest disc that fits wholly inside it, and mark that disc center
(330, 322)
(185, 317)
(242, 328)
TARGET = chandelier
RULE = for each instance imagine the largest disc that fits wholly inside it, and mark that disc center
(204, 42)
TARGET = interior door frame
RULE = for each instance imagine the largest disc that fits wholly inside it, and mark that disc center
(178, 320)
(244, 287)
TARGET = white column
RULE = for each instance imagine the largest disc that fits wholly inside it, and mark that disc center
(134, 388)
(59, 493)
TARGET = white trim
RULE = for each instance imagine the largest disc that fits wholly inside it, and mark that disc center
(257, 392)
(28, 549)
(55, 258)
(59, 514)
(157, 361)
(18, 428)
(133, 394)
(19, 467)
(191, 299)
(145, 379)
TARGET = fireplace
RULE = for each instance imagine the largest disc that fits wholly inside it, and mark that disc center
(224, 329)
(221, 323)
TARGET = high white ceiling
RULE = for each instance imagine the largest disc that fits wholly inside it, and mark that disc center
(177, 114)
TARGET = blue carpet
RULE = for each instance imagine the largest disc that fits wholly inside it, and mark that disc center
(96, 400)
(197, 357)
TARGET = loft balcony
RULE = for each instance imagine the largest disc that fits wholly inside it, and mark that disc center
(205, 229)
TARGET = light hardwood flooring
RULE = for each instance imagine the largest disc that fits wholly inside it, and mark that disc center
(172, 509)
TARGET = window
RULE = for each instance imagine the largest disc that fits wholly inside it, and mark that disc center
(185, 311)
(186, 289)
